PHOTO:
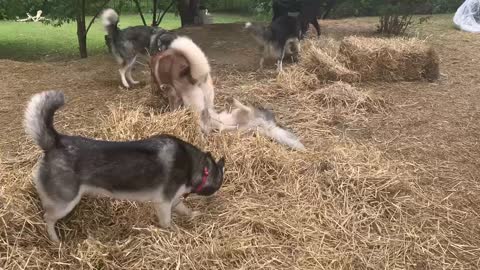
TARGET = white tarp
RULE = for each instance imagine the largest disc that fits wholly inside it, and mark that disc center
(467, 17)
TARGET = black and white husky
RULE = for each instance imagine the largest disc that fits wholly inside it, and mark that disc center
(130, 42)
(277, 39)
(160, 169)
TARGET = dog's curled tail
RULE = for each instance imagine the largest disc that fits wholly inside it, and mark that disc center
(109, 17)
(283, 136)
(199, 66)
(39, 118)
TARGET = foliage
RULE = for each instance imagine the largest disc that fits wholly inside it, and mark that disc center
(396, 16)
(445, 6)
(36, 41)
(348, 8)
(9, 9)
(261, 7)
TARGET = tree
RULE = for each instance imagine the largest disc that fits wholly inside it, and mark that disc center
(188, 10)
(156, 7)
(62, 11)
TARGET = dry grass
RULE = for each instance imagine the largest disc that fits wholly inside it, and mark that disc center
(391, 59)
(361, 59)
(346, 95)
(405, 196)
(320, 58)
(344, 206)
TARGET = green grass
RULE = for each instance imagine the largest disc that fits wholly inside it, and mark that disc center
(33, 41)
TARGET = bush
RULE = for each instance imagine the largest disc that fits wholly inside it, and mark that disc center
(396, 16)
(9, 9)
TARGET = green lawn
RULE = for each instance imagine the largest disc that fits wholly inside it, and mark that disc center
(33, 41)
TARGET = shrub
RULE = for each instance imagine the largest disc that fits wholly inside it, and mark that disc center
(396, 16)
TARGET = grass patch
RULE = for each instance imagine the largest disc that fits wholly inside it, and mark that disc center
(27, 41)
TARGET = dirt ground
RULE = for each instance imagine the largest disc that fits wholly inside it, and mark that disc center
(434, 128)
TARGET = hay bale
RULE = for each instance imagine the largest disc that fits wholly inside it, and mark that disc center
(345, 95)
(394, 59)
(323, 61)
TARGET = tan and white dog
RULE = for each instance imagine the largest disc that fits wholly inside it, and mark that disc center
(186, 70)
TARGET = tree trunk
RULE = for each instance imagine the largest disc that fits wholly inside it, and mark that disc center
(139, 8)
(188, 9)
(328, 8)
(154, 16)
(81, 29)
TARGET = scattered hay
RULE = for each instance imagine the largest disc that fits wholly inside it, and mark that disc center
(297, 79)
(318, 64)
(390, 59)
(324, 63)
(346, 95)
(342, 206)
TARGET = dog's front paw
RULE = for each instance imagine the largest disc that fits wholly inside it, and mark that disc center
(165, 224)
(195, 214)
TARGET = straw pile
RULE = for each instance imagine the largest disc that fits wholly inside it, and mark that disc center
(345, 95)
(321, 58)
(392, 59)
(342, 206)
(319, 64)
(362, 59)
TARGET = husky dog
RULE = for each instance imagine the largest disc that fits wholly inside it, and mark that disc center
(306, 11)
(249, 118)
(161, 40)
(159, 169)
(277, 39)
(127, 44)
(185, 68)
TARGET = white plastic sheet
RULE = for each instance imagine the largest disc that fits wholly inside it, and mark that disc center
(467, 17)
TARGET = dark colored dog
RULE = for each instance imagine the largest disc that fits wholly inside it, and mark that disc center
(160, 169)
(277, 39)
(306, 11)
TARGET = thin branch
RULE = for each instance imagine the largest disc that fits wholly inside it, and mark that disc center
(154, 17)
(140, 11)
(164, 12)
(96, 15)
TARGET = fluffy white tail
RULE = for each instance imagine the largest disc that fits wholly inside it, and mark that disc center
(39, 118)
(282, 136)
(109, 17)
(199, 66)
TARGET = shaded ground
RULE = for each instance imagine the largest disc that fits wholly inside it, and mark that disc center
(434, 128)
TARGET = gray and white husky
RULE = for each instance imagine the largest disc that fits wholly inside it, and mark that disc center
(126, 44)
(277, 40)
(160, 169)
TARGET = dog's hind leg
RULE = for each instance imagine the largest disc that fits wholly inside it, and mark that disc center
(280, 60)
(123, 71)
(264, 52)
(129, 70)
(174, 100)
(317, 26)
(164, 213)
(56, 211)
